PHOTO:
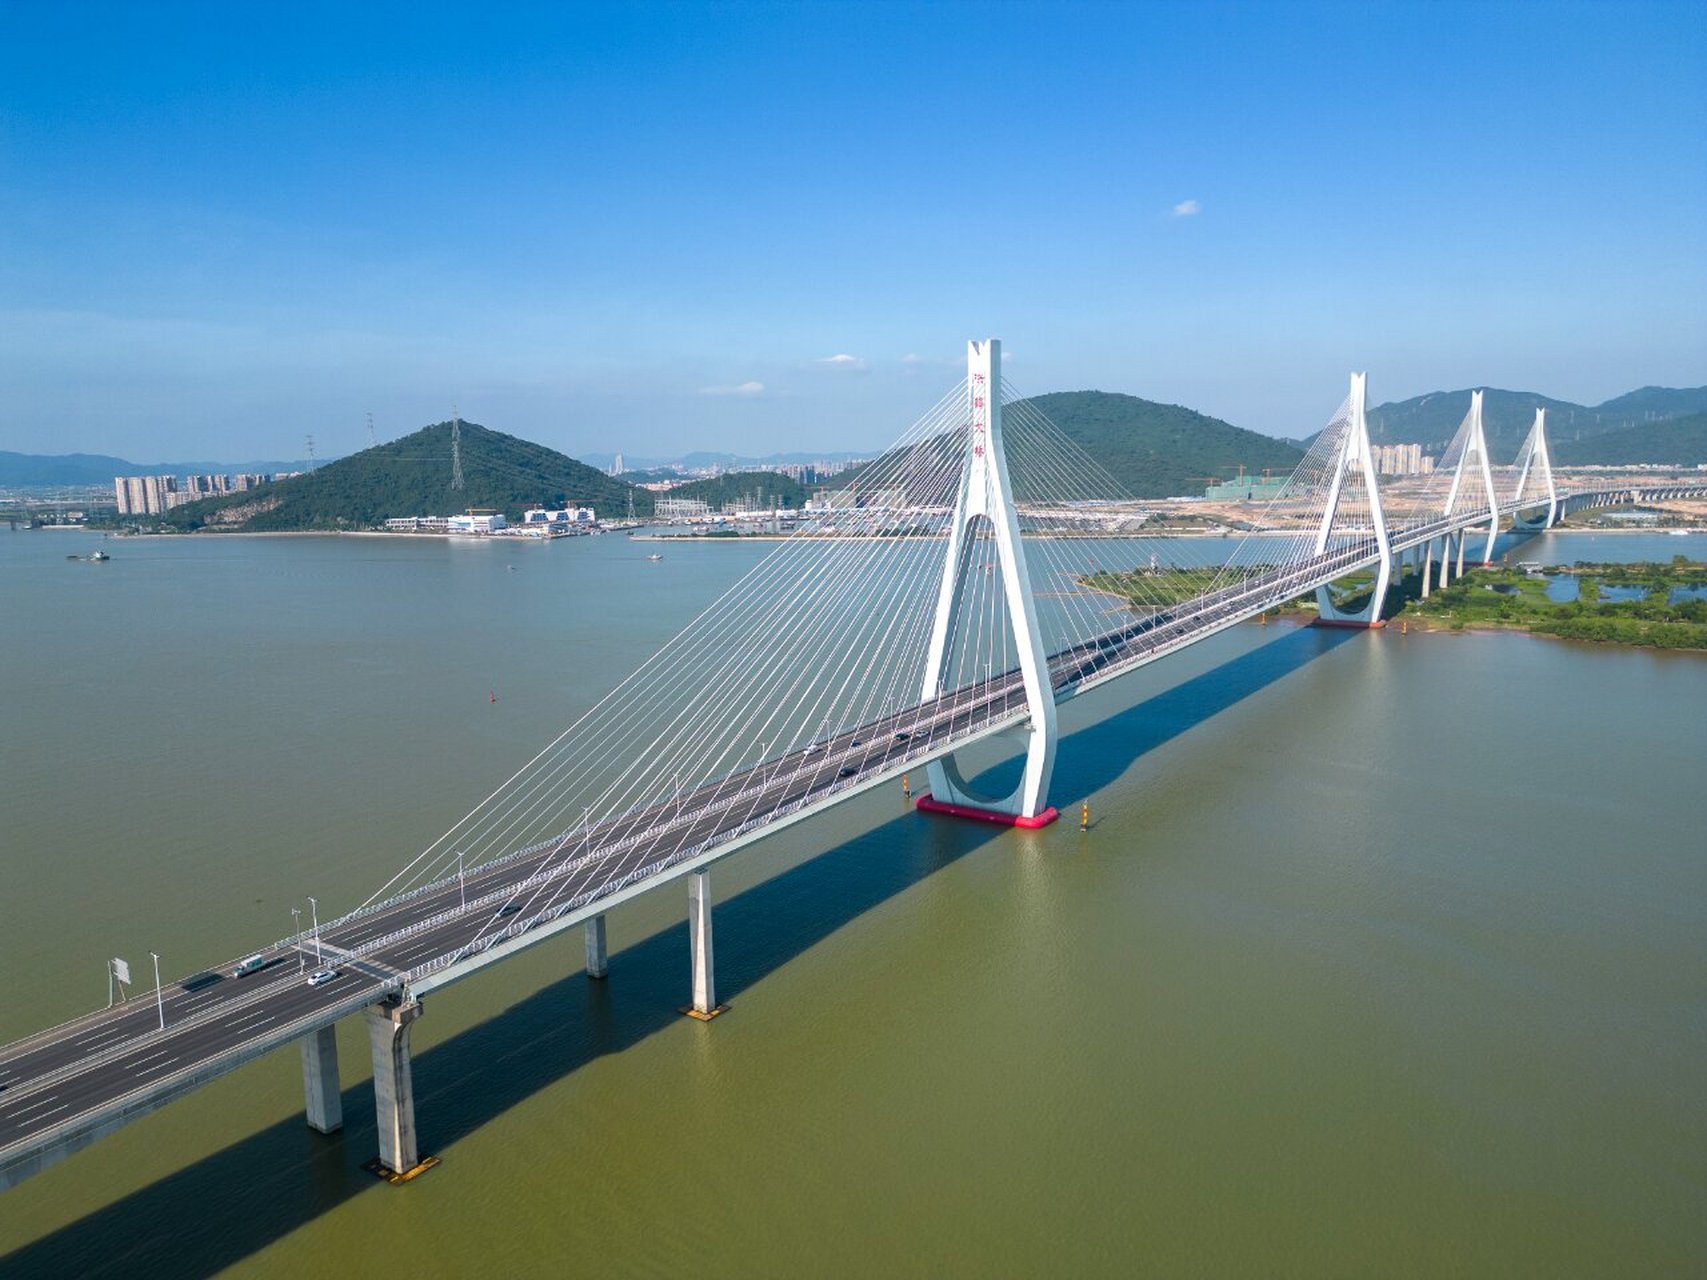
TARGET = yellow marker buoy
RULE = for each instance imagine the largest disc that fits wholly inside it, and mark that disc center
(906, 788)
(1085, 816)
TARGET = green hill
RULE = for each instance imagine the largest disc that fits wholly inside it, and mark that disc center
(1161, 450)
(759, 487)
(1682, 441)
(1431, 419)
(411, 477)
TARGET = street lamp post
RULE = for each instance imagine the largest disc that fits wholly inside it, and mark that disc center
(159, 999)
(296, 918)
(314, 914)
(461, 888)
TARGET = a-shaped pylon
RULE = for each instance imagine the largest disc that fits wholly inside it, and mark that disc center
(1356, 459)
(1535, 470)
(1475, 444)
(985, 502)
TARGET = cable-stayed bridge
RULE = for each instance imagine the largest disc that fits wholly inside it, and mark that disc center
(979, 573)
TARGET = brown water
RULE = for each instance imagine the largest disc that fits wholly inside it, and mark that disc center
(1385, 954)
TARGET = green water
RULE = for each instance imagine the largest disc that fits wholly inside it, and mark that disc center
(1386, 955)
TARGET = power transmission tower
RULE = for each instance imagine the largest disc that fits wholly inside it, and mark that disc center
(456, 451)
(371, 442)
(311, 453)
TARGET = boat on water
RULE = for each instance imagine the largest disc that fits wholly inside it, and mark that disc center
(92, 556)
(655, 556)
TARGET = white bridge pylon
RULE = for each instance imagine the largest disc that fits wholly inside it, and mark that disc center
(985, 501)
(1476, 443)
(1535, 462)
(1356, 458)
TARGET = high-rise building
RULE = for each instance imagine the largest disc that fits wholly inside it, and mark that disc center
(616, 467)
(144, 495)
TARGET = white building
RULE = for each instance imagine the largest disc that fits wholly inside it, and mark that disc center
(681, 508)
(475, 522)
(568, 515)
(144, 495)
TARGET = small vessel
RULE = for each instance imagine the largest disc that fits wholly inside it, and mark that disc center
(655, 556)
(99, 555)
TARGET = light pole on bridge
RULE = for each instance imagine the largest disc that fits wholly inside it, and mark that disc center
(296, 917)
(159, 998)
(314, 913)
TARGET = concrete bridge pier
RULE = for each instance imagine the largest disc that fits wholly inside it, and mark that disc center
(1463, 537)
(1425, 562)
(598, 958)
(325, 1100)
(393, 1086)
(704, 1006)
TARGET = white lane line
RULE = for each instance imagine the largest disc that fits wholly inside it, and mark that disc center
(158, 1066)
(37, 1119)
(34, 1106)
(251, 1021)
(109, 1033)
(149, 1058)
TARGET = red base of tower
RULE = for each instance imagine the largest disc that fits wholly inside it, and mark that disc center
(927, 805)
(1349, 622)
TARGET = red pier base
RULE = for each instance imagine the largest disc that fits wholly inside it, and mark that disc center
(1349, 622)
(927, 805)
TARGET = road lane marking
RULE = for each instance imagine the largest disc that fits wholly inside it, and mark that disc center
(158, 1066)
(66, 1106)
(34, 1106)
(149, 1058)
(108, 1033)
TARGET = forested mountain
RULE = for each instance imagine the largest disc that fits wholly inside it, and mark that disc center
(1671, 440)
(1430, 420)
(411, 476)
(1161, 450)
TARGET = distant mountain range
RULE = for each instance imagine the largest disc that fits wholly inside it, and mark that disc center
(20, 469)
(1431, 420)
(1152, 450)
(702, 461)
(1680, 440)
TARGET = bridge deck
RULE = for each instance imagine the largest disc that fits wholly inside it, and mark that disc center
(95, 1072)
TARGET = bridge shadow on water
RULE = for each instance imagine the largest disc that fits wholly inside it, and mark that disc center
(214, 1213)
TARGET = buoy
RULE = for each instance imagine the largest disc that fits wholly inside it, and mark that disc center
(906, 788)
(1404, 626)
(1085, 816)
(494, 695)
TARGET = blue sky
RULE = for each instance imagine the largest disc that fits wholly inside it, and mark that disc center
(655, 228)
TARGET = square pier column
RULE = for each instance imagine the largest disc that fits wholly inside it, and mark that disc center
(393, 1087)
(325, 1100)
(598, 959)
(1463, 537)
(1425, 560)
(704, 1006)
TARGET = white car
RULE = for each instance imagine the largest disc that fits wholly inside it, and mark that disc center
(320, 977)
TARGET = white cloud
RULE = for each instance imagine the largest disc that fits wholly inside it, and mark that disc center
(1187, 209)
(844, 363)
(739, 389)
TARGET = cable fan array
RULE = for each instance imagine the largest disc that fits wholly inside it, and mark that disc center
(825, 641)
